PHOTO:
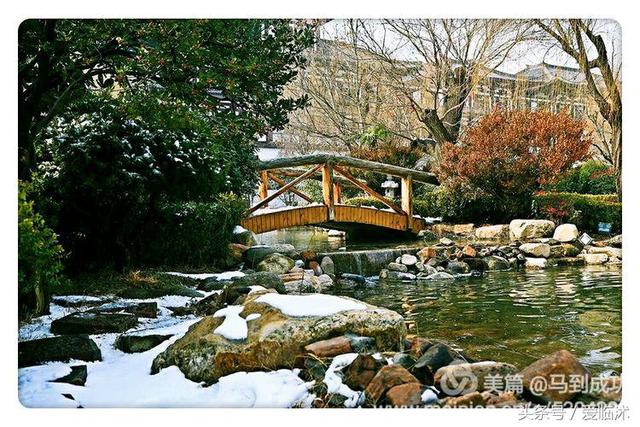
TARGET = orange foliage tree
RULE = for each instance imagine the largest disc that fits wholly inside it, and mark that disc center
(508, 155)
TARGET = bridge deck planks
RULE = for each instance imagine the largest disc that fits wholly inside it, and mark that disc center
(309, 215)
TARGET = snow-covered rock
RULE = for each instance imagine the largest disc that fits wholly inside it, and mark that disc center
(287, 323)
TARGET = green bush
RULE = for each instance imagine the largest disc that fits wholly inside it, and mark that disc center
(365, 201)
(585, 210)
(192, 233)
(107, 169)
(461, 204)
(39, 258)
(592, 177)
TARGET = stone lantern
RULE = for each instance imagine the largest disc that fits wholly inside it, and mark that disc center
(389, 187)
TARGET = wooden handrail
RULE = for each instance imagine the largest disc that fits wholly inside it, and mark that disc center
(368, 190)
(282, 190)
(398, 171)
(294, 190)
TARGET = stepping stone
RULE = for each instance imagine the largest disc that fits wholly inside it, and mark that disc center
(77, 376)
(93, 323)
(139, 343)
(57, 349)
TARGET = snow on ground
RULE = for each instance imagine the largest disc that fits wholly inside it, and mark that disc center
(227, 275)
(310, 305)
(334, 383)
(124, 380)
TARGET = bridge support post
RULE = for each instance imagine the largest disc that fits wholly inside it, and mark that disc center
(263, 189)
(337, 193)
(406, 194)
(328, 189)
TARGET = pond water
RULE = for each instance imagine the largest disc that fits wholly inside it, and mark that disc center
(516, 316)
(511, 316)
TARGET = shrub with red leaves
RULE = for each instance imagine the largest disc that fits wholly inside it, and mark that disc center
(508, 155)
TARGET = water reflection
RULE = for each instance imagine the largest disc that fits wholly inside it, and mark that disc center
(322, 240)
(516, 317)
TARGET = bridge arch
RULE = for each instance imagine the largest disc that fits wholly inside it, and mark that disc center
(333, 171)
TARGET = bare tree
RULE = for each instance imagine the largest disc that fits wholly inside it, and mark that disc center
(450, 56)
(349, 94)
(583, 40)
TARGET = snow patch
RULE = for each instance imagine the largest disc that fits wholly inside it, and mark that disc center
(227, 275)
(310, 305)
(123, 380)
(238, 229)
(334, 383)
(233, 327)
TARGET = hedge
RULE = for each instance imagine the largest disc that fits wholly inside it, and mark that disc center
(192, 233)
(365, 201)
(585, 210)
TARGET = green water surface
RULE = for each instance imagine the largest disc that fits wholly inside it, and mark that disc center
(516, 316)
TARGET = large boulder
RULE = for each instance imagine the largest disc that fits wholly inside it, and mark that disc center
(408, 260)
(437, 356)
(139, 343)
(528, 229)
(565, 233)
(77, 376)
(608, 250)
(278, 327)
(563, 250)
(540, 250)
(266, 279)
(276, 263)
(93, 323)
(57, 349)
(141, 309)
(244, 237)
(387, 377)
(361, 371)
(594, 259)
(327, 265)
(493, 232)
(394, 266)
(495, 262)
(257, 253)
(458, 267)
(560, 365)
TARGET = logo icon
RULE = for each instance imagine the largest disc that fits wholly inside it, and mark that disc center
(458, 380)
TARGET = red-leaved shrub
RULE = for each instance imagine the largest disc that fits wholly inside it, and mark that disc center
(508, 155)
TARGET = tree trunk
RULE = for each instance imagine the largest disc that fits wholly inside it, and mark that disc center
(41, 303)
(616, 145)
(458, 88)
(435, 126)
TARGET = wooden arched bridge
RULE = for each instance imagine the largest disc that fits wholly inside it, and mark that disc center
(333, 171)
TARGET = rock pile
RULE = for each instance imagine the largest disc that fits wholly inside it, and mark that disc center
(520, 244)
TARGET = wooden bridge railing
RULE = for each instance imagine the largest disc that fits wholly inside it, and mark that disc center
(326, 166)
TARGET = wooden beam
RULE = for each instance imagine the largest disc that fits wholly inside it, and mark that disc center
(338, 160)
(368, 190)
(283, 189)
(292, 172)
(263, 189)
(327, 189)
(295, 191)
(406, 196)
